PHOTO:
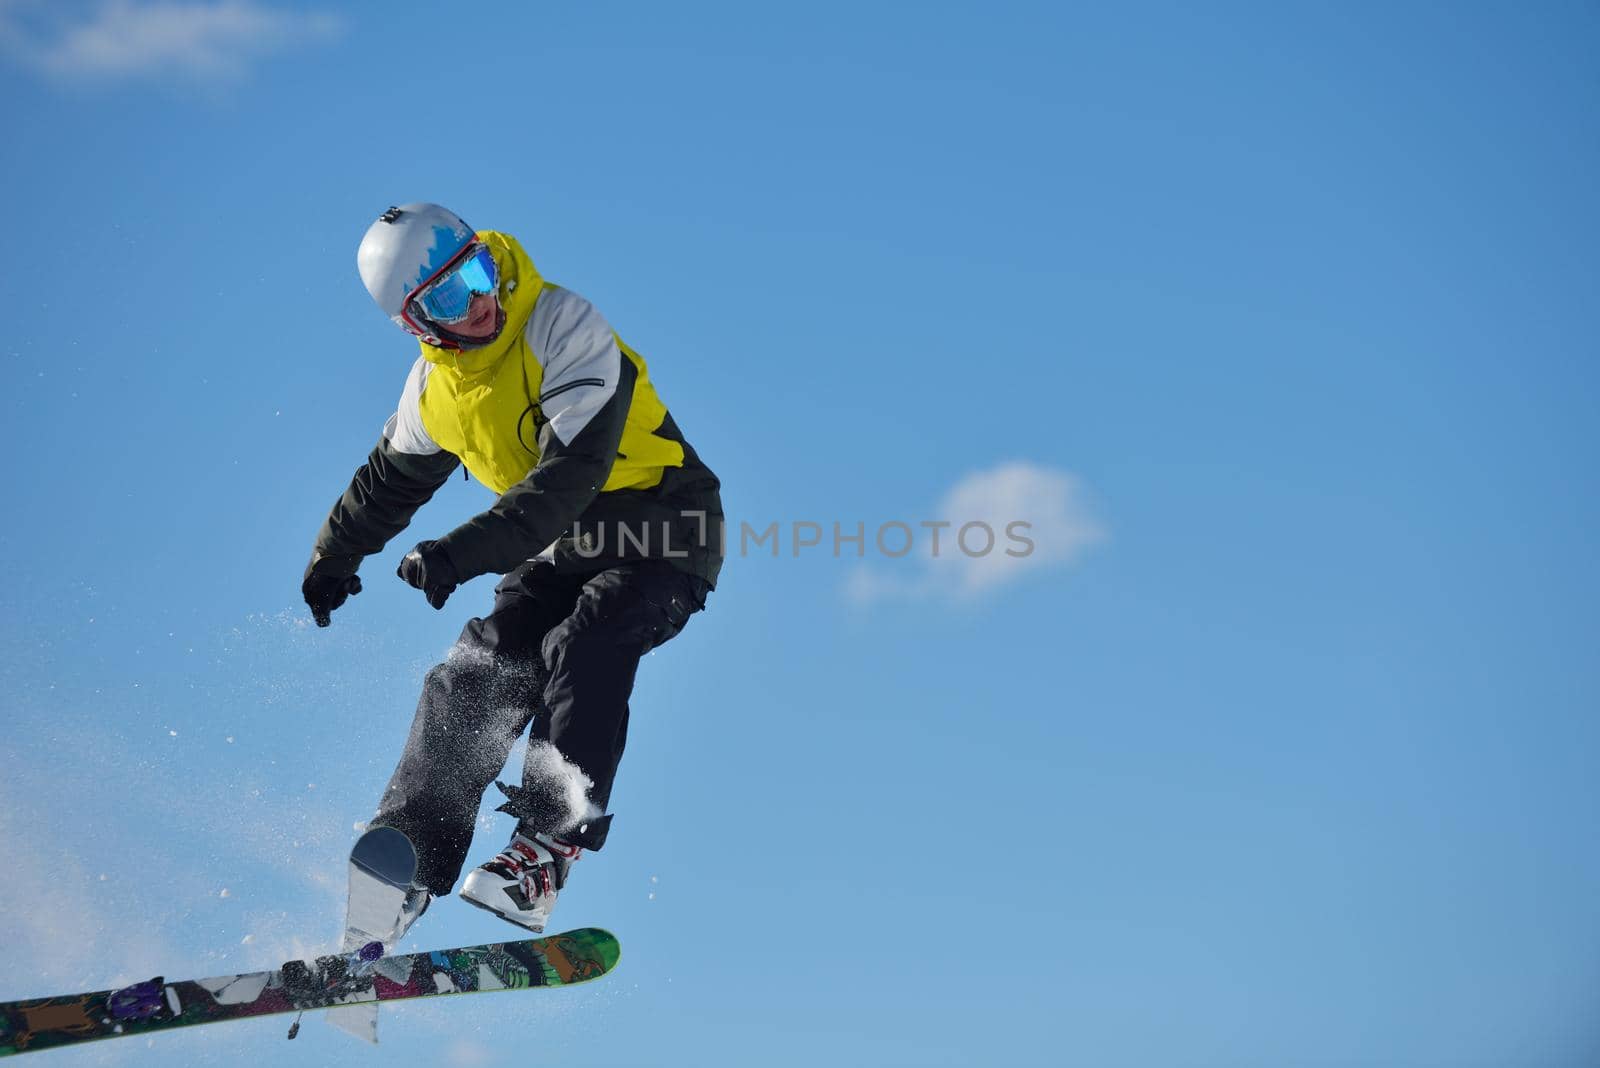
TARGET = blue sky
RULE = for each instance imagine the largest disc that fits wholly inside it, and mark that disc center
(1280, 750)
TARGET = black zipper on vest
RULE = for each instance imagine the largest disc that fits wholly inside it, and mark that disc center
(574, 384)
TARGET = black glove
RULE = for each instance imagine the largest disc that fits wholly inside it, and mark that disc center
(324, 593)
(429, 569)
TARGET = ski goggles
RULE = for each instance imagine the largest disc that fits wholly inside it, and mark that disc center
(447, 298)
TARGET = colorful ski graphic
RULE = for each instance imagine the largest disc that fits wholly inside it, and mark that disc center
(348, 979)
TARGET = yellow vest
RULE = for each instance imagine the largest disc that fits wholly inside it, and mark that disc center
(483, 404)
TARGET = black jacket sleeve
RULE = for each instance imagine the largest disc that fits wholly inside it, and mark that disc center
(544, 505)
(385, 493)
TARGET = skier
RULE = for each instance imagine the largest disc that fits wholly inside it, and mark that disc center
(608, 531)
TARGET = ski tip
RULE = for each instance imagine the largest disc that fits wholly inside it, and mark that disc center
(600, 945)
(387, 854)
(610, 948)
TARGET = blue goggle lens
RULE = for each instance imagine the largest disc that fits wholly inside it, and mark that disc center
(448, 299)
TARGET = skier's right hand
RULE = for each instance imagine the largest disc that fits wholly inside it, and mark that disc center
(324, 593)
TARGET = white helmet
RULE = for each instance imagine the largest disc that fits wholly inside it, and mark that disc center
(404, 250)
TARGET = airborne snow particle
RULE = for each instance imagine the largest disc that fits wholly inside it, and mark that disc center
(230, 739)
(173, 733)
(247, 939)
(652, 896)
(224, 892)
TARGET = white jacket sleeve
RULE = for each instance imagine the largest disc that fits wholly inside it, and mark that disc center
(579, 354)
(404, 431)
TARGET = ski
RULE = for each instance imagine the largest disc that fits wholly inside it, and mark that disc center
(363, 976)
(383, 865)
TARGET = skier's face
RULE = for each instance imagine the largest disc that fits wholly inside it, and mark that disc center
(482, 315)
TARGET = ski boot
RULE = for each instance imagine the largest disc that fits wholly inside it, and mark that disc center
(522, 882)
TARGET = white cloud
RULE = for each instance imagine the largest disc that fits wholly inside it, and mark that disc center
(993, 528)
(208, 42)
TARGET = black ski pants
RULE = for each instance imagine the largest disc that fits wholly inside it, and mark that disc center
(557, 653)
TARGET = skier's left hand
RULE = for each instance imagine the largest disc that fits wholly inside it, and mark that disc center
(428, 568)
